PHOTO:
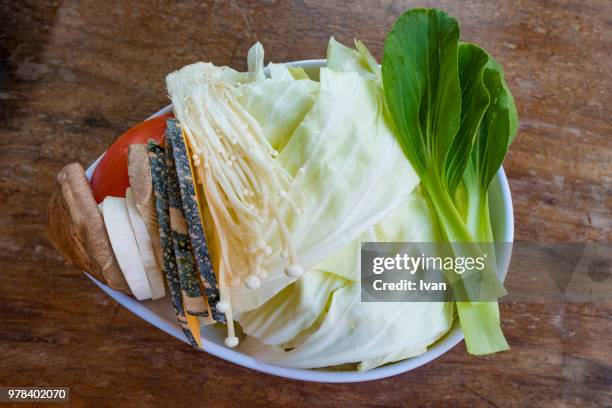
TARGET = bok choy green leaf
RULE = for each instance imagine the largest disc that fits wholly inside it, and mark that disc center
(454, 118)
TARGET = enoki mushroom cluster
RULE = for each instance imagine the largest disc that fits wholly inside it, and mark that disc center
(246, 190)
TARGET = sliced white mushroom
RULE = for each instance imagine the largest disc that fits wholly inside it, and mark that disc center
(122, 238)
(139, 171)
(145, 247)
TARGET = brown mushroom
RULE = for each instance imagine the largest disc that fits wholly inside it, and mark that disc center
(76, 228)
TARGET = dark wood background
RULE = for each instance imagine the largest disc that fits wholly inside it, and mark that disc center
(74, 75)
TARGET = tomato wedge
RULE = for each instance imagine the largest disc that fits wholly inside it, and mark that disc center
(110, 178)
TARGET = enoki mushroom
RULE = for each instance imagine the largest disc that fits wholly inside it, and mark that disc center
(244, 187)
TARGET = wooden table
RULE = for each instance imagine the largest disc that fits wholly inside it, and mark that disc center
(75, 75)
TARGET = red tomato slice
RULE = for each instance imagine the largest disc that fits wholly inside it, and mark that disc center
(110, 178)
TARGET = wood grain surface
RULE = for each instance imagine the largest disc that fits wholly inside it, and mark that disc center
(74, 75)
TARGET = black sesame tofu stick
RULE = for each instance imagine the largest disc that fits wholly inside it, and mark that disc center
(193, 300)
(159, 170)
(192, 213)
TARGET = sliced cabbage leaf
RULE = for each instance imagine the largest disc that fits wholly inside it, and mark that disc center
(255, 59)
(400, 354)
(279, 72)
(279, 106)
(255, 67)
(292, 310)
(349, 173)
(371, 333)
(354, 331)
(341, 58)
(298, 73)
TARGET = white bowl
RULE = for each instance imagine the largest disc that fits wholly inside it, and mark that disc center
(160, 314)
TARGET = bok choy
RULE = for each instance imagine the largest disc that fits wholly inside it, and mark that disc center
(454, 118)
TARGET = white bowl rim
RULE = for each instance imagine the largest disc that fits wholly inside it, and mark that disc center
(451, 339)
